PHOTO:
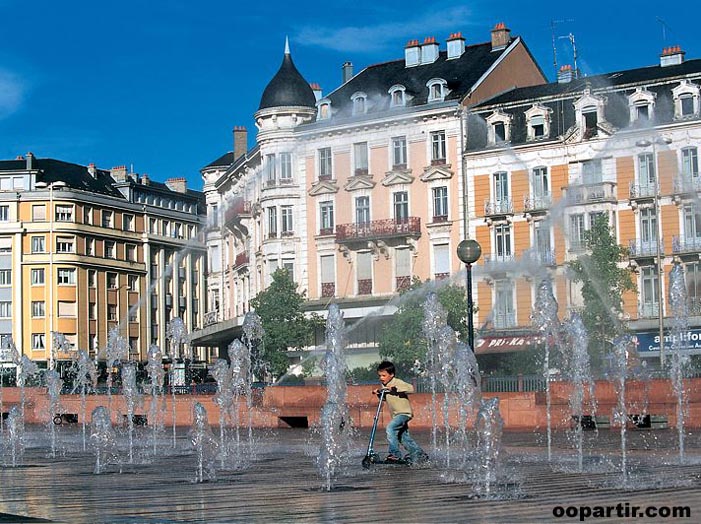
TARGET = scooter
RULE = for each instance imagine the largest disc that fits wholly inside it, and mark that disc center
(371, 456)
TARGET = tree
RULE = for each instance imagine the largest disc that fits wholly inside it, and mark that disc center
(285, 326)
(402, 339)
(603, 284)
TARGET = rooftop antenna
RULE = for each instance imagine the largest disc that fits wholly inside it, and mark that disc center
(570, 37)
(553, 23)
(664, 29)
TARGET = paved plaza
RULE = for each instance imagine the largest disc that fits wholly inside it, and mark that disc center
(283, 484)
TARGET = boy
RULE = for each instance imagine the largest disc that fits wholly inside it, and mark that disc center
(400, 409)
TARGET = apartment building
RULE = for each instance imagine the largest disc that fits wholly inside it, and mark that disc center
(85, 250)
(354, 192)
(544, 161)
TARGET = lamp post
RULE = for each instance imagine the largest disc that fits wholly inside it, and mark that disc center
(469, 252)
(663, 141)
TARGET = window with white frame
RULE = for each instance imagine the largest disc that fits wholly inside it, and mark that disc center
(402, 268)
(90, 246)
(541, 186)
(400, 204)
(692, 273)
(502, 242)
(686, 100)
(110, 249)
(498, 128)
(112, 312)
(38, 341)
(272, 222)
(399, 157)
(112, 281)
(577, 231)
(360, 158)
(649, 298)
(128, 222)
(92, 311)
(4, 213)
(323, 110)
(440, 203)
(538, 118)
(39, 213)
(287, 223)
(362, 210)
(325, 165)
(38, 244)
(592, 171)
(690, 162)
(590, 121)
(648, 229)
(692, 225)
(66, 276)
(641, 105)
(5, 309)
(130, 251)
(541, 241)
(87, 215)
(133, 282)
(92, 278)
(37, 276)
(38, 309)
(107, 218)
(646, 171)
(364, 273)
(504, 312)
(285, 167)
(326, 219)
(67, 309)
(441, 261)
(64, 213)
(359, 100)
(437, 89)
(438, 149)
(397, 96)
(65, 245)
(5, 277)
(153, 225)
(270, 175)
(328, 275)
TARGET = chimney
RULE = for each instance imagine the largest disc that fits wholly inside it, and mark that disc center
(501, 36)
(177, 184)
(240, 141)
(456, 45)
(317, 90)
(672, 56)
(91, 170)
(347, 68)
(119, 173)
(30, 160)
(564, 75)
(412, 53)
(145, 180)
(429, 50)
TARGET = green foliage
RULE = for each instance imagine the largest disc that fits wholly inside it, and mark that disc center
(284, 323)
(603, 284)
(402, 339)
(363, 375)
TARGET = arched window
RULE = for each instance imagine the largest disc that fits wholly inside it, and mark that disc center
(397, 96)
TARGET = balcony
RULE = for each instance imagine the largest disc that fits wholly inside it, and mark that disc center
(498, 207)
(685, 184)
(497, 262)
(365, 286)
(542, 257)
(642, 191)
(535, 203)
(242, 259)
(590, 193)
(328, 289)
(505, 320)
(402, 283)
(379, 229)
(648, 310)
(211, 317)
(681, 245)
(644, 248)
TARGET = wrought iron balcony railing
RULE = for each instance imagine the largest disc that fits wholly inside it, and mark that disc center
(588, 193)
(645, 248)
(505, 320)
(537, 202)
(648, 310)
(211, 317)
(685, 244)
(498, 207)
(328, 289)
(242, 259)
(492, 262)
(387, 228)
(642, 190)
(685, 183)
(544, 257)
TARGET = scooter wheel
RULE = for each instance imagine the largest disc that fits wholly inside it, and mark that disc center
(367, 462)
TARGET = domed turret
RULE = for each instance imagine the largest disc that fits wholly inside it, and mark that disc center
(288, 88)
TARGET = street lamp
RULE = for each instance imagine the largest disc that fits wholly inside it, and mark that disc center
(662, 141)
(469, 252)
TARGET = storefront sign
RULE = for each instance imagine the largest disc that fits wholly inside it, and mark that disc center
(648, 344)
(506, 344)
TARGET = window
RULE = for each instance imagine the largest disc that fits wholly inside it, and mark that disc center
(692, 225)
(39, 213)
(438, 147)
(67, 309)
(272, 222)
(4, 213)
(441, 261)
(646, 171)
(324, 111)
(399, 160)
(541, 241)
(590, 120)
(502, 201)
(576, 232)
(440, 203)
(499, 128)
(541, 187)
(90, 247)
(360, 158)
(402, 268)
(92, 278)
(133, 315)
(270, 170)
(131, 252)
(690, 162)
(38, 309)
(359, 103)
(177, 230)
(152, 225)
(5, 309)
(692, 272)
(128, 222)
(364, 273)
(38, 341)
(65, 245)
(64, 213)
(66, 277)
(641, 105)
(6, 245)
(112, 312)
(110, 249)
(686, 105)
(285, 167)
(289, 266)
(5, 277)
(362, 210)
(107, 219)
(165, 228)
(112, 281)
(648, 229)
(38, 245)
(87, 215)
(504, 315)
(325, 168)
(92, 311)
(396, 96)
(502, 242)
(642, 112)
(649, 299)
(436, 89)
(133, 282)
(592, 171)
(400, 200)
(287, 225)
(326, 218)
(37, 276)
(536, 127)
(328, 278)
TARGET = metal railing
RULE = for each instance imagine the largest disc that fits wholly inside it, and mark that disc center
(644, 248)
(379, 229)
(498, 207)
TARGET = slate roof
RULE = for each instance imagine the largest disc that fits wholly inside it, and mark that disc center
(223, 161)
(287, 88)
(375, 81)
(74, 175)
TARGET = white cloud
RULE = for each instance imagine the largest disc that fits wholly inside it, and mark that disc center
(11, 93)
(371, 38)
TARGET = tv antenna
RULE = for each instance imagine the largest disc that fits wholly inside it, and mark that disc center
(554, 23)
(570, 37)
(665, 27)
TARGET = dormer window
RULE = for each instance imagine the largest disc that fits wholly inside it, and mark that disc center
(323, 110)
(590, 120)
(589, 113)
(437, 89)
(538, 118)
(359, 103)
(641, 105)
(499, 128)
(396, 96)
(686, 100)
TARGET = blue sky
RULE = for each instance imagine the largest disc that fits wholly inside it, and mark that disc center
(159, 85)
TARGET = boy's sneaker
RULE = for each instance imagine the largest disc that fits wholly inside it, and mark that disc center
(392, 458)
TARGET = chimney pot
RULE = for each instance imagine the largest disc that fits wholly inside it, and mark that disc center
(178, 184)
(412, 53)
(347, 71)
(672, 55)
(501, 36)
(30, 160)
(429, 50)
(92, 171)
(456, 45)
(240, 141)
(564, 76)
(118, 173)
